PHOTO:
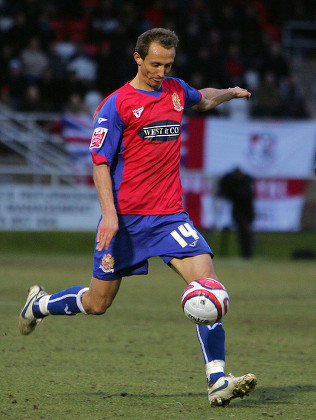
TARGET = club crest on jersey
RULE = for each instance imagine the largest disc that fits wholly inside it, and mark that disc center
(138, 112)
(98, 137)
(176, 102)
(107, 264)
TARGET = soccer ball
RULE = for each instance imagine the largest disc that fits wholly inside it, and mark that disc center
(205, 301)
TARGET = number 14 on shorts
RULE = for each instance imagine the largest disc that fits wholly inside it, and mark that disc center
(186, 231)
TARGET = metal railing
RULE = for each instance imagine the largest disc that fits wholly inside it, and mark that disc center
(37, 152)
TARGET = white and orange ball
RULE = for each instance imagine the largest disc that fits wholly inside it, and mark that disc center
(205, 301)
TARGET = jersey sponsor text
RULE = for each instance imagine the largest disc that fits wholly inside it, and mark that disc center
(161, 131)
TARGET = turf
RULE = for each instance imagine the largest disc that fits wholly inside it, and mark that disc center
(141, 360)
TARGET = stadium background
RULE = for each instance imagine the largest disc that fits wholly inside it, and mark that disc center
(59, 59)
(128, 364)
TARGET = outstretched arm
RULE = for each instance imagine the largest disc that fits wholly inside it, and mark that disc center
(214, 97)
(108, 226)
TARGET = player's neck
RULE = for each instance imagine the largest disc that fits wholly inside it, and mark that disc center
(138, 83)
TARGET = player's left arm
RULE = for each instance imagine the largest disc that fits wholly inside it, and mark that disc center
(211, 98)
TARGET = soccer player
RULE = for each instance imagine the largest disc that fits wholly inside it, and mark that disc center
(135, 148)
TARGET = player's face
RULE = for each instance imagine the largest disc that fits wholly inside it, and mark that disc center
(155, 66)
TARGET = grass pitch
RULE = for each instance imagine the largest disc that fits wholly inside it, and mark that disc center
(142, 360)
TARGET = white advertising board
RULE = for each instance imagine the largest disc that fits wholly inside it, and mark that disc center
(48, 208)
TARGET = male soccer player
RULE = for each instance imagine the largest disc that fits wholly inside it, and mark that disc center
(135, 148)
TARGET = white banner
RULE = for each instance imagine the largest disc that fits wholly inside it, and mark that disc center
(262, 149)
(48, 208)
(278, 206)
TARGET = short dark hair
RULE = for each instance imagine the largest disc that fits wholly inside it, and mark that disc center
(165, 37)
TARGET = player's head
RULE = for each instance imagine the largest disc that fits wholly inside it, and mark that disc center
(154, 54)
(165, 37)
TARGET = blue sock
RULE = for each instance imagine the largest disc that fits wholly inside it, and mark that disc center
(212, 341)
(65, 302)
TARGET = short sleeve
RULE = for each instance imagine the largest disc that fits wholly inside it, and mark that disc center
(192, 95)
(108, 131)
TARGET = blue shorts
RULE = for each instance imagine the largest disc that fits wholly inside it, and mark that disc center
(141, 237)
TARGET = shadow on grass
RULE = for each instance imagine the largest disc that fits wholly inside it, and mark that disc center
(281, 394)
(261, 395)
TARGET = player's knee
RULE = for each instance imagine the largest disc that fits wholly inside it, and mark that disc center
(99, 308)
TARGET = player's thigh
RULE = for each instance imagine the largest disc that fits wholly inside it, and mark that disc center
(193, 268)
(100, 295)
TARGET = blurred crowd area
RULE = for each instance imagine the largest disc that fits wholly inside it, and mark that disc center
(59, 55)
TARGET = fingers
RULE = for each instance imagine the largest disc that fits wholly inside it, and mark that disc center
(103, 241)
(105, 235)
(242, 93)
(239, 92)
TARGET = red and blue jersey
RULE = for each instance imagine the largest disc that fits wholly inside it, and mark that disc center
(138, 134)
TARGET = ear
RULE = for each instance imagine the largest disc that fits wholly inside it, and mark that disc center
(137, 58)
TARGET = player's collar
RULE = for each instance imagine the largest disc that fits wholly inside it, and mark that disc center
(155, 93)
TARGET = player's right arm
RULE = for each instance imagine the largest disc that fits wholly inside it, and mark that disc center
(108, 225)
(105, 144)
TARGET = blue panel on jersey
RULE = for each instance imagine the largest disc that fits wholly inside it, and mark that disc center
(192, 96)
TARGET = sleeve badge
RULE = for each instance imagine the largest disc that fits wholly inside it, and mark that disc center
(98, 137)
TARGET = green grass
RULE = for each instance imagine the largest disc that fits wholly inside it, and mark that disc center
(142, 360)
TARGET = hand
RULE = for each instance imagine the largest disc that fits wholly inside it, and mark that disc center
(240, 92)
(107, 229)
